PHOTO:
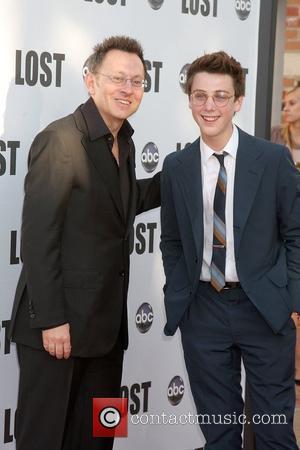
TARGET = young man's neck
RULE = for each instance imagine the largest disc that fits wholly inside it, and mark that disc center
(219, 142)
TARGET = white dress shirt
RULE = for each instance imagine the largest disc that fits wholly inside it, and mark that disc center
(210, 169)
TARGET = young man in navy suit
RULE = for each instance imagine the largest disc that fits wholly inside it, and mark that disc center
(230, 221)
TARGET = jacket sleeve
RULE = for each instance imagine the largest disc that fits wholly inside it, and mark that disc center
(289, 222)
(148, 193)
(48, 186)
(171, 246)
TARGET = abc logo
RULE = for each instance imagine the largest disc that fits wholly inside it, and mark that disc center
(144, 318)
(243, 8)
(182, 76)
(155, 4)
(175, 390)
(150, 157)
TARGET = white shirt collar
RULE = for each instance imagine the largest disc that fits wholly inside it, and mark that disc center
(230, 148)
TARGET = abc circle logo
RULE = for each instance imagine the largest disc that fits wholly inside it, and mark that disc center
(150, 157)
(243, 8)
(110, 417)
(182, 76)
(175, 390)
(144, 318)
(155, 4)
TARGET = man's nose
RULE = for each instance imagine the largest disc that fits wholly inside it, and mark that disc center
(210, 104)
(127, 86)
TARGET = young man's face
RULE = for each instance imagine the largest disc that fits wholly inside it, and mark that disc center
(215, 121)
(116, 102)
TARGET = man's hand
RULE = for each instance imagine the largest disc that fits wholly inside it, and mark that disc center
(57, 341)
(296, 318)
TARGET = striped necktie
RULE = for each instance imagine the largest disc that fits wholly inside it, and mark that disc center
(219, 228)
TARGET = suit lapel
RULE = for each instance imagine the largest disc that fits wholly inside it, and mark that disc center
(248, 173)
(132, 196)
(190, 181)
(101, 160)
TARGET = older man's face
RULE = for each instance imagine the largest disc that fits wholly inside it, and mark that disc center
(117, 100)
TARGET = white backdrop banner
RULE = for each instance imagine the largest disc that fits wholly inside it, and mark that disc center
(43, 45)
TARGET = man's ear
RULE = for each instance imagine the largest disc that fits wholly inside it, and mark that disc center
(89, 80)
(238, 104)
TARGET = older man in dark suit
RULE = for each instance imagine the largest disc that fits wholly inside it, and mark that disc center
(69, 318)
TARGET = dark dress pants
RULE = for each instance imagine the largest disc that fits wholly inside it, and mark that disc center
(55, 399)
(216, 330)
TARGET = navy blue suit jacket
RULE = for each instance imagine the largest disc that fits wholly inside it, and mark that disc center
(266, 221)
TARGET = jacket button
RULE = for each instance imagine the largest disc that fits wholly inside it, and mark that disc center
(32, 316)
(122, 274)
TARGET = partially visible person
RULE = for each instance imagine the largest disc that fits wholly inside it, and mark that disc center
(296, 319)
(289, 133)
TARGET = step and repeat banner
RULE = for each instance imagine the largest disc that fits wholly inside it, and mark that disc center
(43, 47)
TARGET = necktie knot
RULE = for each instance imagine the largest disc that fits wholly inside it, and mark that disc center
(220, 157)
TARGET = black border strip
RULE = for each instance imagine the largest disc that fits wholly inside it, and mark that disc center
(265, 67)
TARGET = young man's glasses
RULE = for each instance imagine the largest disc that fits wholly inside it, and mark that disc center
(199, 98)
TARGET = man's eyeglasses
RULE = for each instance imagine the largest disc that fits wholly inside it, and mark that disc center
(199, 98)
(121, 81)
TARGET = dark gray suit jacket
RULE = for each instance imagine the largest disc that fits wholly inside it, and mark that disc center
(75, 238)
